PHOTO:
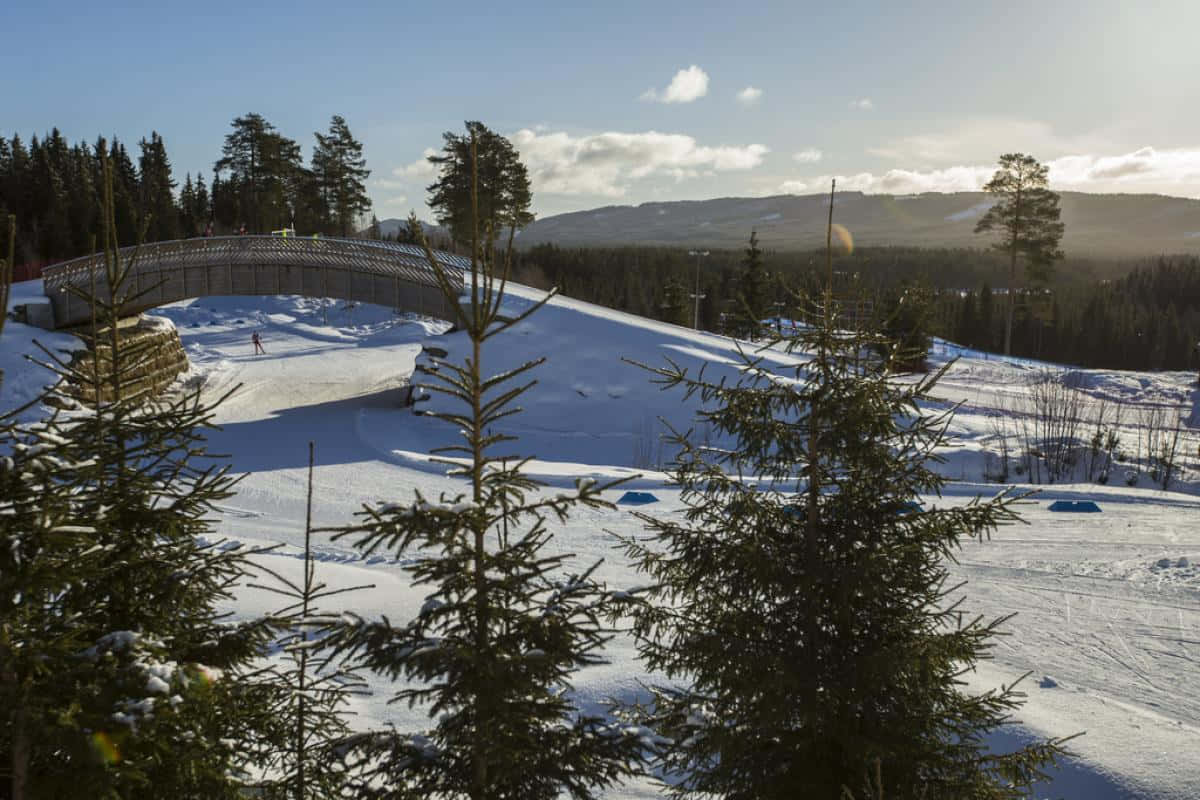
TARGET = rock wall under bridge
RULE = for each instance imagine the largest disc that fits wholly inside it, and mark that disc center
(153, 341)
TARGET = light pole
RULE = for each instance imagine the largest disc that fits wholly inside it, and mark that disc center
(696, 294)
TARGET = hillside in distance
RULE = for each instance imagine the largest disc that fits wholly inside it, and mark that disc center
(1096, 224)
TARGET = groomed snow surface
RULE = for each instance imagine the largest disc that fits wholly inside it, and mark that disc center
(1108, 605)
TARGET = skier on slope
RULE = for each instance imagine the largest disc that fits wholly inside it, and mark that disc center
(257, 340)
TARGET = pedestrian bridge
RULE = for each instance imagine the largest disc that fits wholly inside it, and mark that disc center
(358, 270)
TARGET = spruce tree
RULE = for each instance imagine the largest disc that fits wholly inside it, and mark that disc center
(46, 555)
(159, 214)
(188, 224)
(905, 315)
(799, 606)
(504, 626)
(150, 700)
(309, 701)
(752, 291)
(675, 302)
(6, 271)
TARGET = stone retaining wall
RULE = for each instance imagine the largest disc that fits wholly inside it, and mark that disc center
(162, 360)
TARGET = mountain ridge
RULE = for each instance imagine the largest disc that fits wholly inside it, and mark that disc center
(1114, 225)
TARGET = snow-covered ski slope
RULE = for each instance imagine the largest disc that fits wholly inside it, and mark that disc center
(1108, 621)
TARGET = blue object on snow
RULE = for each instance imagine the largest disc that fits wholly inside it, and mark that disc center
(1085, 506)
(911, 507)
(637, 498)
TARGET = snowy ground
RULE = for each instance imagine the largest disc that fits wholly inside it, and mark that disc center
(1107, 622)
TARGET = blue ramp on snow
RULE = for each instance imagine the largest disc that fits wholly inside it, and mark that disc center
(1084, 506)
(637, 498)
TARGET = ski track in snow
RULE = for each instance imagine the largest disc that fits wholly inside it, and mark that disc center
(1111, 639)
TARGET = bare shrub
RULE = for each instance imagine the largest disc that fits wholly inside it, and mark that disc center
(1105, 439)
(1051, 427)
(1162, 432)
(996, 468)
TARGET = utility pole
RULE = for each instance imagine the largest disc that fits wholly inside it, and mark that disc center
(829, 248)
(696, 294)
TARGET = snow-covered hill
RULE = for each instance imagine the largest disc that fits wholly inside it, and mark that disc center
(1108, 613)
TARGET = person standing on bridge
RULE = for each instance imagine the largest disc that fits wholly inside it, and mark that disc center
(258, 348)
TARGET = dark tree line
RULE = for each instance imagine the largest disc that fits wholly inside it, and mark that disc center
(1149, 319)
(1116, 315)
(260, 182)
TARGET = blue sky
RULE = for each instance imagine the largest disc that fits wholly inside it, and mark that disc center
(623, 103)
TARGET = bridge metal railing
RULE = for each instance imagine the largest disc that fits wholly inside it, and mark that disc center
(361, 270)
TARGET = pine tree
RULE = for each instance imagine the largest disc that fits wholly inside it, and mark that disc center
(1026, 214)
(503, 627)
(265, 168)
(801, 615)
(340, 171)
(502, 195)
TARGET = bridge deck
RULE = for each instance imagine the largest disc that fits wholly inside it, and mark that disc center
(361, 270)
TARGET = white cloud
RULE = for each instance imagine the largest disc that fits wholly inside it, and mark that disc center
(982, 140)
(687, 85)
(1146, 169)
(809, 155)
(749, 96)
(862, 104)
(399, 201)
(898, 181)
(607, 163)
(1175, 172)
(421, 168)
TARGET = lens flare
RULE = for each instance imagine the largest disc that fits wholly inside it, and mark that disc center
(843, 237)
(203, 675)
(105, 748)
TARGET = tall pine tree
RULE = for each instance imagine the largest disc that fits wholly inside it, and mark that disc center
(490, 188)
(340, 170)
